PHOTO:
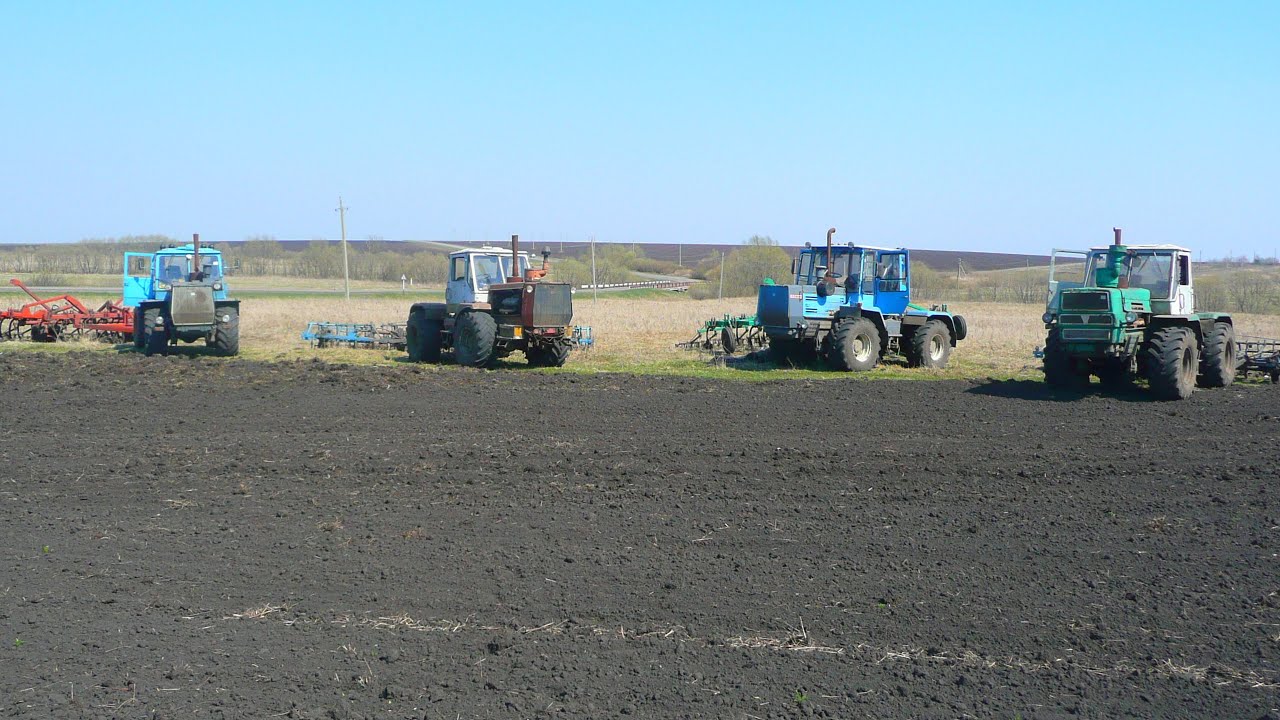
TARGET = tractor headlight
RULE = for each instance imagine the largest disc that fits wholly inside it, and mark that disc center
(217, 286)
(1131, 317)
(1047, 318)
(162, 285)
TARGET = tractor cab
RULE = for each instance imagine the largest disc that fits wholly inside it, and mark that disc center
(852, 304)
(471, 272)
(1164, 271)
(151, 276)
(1120, 280)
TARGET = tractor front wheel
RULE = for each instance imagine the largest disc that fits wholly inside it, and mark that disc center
(156, 333)
(1218, 363)
(475, 339)
(1060, 370)
(547, 355)
(1115, 374)
(929, 346)
(139, 329)
(226, 333)
(856, 345)
(1172, 362)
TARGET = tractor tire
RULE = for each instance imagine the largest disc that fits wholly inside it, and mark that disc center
(155, 339)
(1172, 361)
(547, 355)
(1218, 362)
(423, 339)
(962, 327)
(1114, 374)
(139, 336)
(226, 334)
(781, 350)
(856, 346)
(1060, 370)
(475, 338)
(930, 345)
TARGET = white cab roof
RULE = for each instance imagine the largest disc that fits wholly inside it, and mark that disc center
(1147, 247)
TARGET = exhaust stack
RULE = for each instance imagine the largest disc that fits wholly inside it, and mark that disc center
(195, 275)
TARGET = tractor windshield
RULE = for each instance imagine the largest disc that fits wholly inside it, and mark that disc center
(176, 268)
(172, 268)
(1150, 270)
(493, 269)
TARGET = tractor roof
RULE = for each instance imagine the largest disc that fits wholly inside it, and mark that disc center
(1146, 247)
(847, 248)
(187, 250)
(487, 250)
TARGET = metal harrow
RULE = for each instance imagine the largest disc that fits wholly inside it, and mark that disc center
(64, 317)
(728, 334)
(1260, 355)
(365, 335)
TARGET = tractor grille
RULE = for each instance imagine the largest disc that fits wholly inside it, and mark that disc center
(1087, 300)
(191, 305)
(552, 305)
(1086, 334)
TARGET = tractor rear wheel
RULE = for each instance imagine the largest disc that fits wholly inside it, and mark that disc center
(422, 337)
(856, 345)
(1172, 362)
(1060, 370)
(155, 333)
(226, 333)
(475, 339)
(547, 355)
(929, 346)
(1218, 362)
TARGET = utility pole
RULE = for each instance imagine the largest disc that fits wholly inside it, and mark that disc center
(680, 254)
(595, 287)
(721, 276)
(346, 268)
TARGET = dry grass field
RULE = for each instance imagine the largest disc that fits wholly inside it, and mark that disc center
(638, 332)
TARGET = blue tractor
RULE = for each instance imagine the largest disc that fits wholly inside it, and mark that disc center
(851, 305)
(179, 294)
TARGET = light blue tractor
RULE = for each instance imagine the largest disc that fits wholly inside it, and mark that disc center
(178, 294)
(851, 305)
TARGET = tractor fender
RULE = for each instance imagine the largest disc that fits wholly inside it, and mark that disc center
(872, 314)
(952, 326)
(430, 310)
(227, 303)
(1186, 321)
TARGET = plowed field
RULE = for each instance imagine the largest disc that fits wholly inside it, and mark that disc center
(198, 538)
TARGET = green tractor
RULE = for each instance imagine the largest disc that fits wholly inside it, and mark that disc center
(1132, 317)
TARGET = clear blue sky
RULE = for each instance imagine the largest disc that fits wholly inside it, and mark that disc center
(951, 125)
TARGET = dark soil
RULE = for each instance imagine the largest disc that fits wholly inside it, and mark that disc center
(198, 538)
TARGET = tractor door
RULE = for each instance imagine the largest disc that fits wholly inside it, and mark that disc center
(891, 282)
(458, 290)
(137, 278)
(1184, 293)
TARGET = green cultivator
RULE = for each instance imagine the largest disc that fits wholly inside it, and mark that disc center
(728, 334)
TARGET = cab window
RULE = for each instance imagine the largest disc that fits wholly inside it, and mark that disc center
(172, 268)
(459, 271)
(806, 269)
(139, 266)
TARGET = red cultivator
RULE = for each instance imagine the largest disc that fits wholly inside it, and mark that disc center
(64, 317)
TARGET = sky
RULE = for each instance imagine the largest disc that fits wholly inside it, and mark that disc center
(983, 126)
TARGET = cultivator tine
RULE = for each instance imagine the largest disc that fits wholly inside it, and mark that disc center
(727, 335)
